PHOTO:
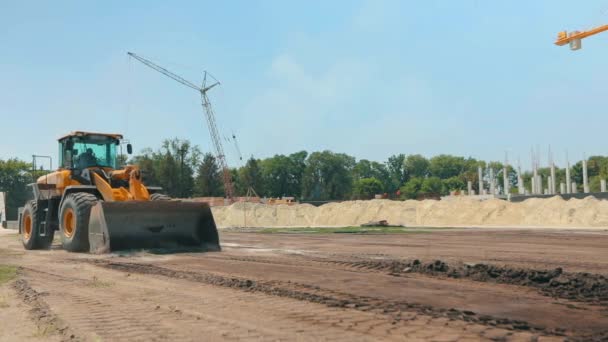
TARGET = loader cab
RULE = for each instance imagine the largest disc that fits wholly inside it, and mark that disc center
(81, 150)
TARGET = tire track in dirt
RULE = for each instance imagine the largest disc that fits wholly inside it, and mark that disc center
(96, 312)
(166, 309)
(44, 318)
(396, 311)
(85, 307)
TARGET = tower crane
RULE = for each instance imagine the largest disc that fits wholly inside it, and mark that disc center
(574, 38)
(209, 115)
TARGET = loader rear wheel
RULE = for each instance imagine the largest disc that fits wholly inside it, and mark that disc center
(74, 221)
(159, 197)
(30, 226)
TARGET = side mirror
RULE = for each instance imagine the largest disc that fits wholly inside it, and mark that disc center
(129, 149)
(69, 144)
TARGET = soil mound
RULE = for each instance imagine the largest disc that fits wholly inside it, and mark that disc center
(552, 212)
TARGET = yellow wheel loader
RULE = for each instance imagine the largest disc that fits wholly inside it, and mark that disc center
(99, 208)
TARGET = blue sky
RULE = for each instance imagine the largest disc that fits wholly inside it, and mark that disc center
(368, 78)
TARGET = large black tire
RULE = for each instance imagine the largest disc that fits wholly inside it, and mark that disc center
(30, 228)
(74, 221)
(159, 197)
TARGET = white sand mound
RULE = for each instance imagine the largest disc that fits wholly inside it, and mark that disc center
(552, 212)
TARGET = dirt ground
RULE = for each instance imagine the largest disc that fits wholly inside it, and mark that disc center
(440, 285)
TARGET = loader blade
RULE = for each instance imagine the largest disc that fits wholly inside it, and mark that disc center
(153, 224)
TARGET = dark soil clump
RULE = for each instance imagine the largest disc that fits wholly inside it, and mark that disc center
(584, 287)
(580, 286)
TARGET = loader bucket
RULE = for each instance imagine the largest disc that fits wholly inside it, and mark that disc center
(151, 224)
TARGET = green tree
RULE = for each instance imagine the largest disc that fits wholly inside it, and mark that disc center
(147, 163)
(171, 167)
(250, 175)
(237, 184)
(445, 166)
(432, 185)
(328, 176)
(412, 188)
(366, 188)
(362, 169)
(282, 175)
(397, 172)
(576, 175)
(455, 183)
(371, 169)
(14, 176)
(416, 166)
(178, 160)
(595, 184)
(209, 178)
(597, 166)
(298, 165)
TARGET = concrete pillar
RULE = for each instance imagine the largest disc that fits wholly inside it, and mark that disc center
(562, 188)
(505, 179)
(573, 187)
(469, 188)
(553, 187)
(492, 189)
(568, 181)
(602, 185)
(585, 180)
(480, 175)
(520, 182)
(536, 188)
(549, 185)
(533, 185)
(539, 184)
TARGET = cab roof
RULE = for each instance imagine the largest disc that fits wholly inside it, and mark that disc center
(84, 134)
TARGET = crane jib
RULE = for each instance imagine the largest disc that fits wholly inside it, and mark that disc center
(209, 115)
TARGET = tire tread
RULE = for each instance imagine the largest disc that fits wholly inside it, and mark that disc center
(83, 202)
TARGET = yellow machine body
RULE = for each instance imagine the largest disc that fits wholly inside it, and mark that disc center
(99, 207)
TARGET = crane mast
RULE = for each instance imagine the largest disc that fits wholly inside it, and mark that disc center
(217, 142)
(209, 116)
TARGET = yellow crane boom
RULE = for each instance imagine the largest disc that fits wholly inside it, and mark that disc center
(574, 38)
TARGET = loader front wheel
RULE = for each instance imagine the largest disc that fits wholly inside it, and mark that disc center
(30, 226)
(74, 221)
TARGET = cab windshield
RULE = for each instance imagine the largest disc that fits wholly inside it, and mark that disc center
(89, 151)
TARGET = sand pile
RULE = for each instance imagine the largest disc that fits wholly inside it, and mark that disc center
(552, 212)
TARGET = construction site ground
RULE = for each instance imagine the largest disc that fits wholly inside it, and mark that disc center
(432, 284)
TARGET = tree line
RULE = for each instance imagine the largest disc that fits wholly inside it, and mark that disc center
(182, 170)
